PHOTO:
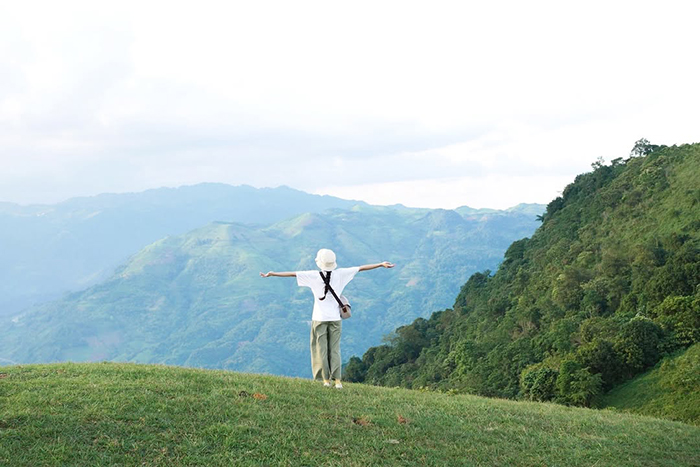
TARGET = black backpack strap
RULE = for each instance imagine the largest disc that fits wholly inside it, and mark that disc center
(327, 281)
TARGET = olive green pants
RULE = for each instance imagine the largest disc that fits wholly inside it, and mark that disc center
(325, 350)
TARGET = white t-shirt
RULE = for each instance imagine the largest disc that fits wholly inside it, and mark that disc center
(327, 309)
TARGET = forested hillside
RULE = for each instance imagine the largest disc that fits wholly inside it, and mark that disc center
(603, 289)
(197, 299)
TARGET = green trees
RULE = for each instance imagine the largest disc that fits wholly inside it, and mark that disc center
(567, 291)
(571, 384)
(639, 344)
(643, 148)
(600, 357)
(680, 316)
(604, 289)
(354, 370)
(539, 383)
(576, 385)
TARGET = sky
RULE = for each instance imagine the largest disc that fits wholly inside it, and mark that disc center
(427, 104)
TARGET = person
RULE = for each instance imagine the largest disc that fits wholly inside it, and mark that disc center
(326, 323)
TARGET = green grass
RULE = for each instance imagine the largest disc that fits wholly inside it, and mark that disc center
(671, 390)
(126, 414)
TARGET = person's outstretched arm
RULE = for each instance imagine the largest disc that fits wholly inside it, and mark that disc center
(385, 264)
(279, 274)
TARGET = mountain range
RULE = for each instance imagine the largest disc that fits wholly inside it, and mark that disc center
(196, 298)
(47, 250)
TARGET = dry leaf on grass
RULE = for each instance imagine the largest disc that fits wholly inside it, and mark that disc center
(402, 420)
(3, 375)
(260, 397)
(362, 421)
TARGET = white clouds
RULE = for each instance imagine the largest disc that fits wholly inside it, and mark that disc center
(495, 191)
(142, 94)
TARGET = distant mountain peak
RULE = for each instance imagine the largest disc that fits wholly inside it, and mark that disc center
(443, 218)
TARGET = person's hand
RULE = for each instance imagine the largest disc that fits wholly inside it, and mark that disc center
(387, 264)
(268, 274)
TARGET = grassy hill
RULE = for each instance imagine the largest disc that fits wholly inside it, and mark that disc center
(197, 299)
(671, 390)
(125, 414)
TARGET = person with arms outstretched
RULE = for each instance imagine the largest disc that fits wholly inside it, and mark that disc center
(326, 322)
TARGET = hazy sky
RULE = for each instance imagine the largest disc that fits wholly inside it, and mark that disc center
(436, 104)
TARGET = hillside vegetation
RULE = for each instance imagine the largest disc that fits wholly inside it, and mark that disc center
(197, 299)
(125, 414)
(603, 289)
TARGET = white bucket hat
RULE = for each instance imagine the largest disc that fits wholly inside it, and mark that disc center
(325, 260)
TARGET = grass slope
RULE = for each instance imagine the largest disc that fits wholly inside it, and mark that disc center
(126, 414)
(671, 390)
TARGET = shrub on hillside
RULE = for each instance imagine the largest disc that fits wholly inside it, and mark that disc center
(576, 385)
(354, 370)
(680, 316)
(639, 344)
(600, 357)
(539, 383)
